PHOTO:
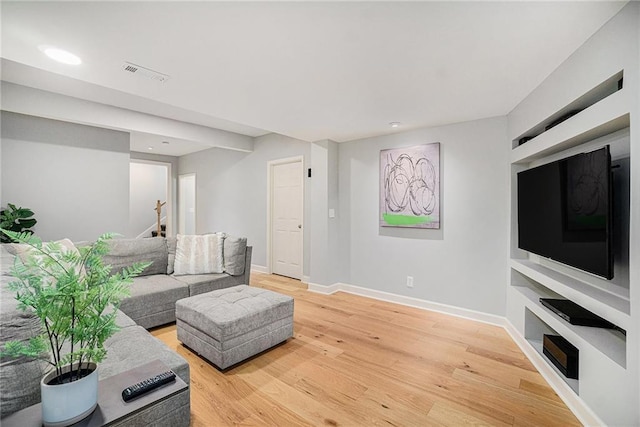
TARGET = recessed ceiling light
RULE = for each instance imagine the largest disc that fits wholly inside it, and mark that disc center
(150, 148)
(394, 124)
(60, 55)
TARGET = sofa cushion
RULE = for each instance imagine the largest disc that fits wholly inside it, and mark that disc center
(123, 321)
(201, 283)
(20, 384)
(235, 249)
(135, 346)
(20, 376)
(171, 246)
(24, 251)
(125, 252)
(17, 325)
(153, 294)
(199, 254)
(6, 260)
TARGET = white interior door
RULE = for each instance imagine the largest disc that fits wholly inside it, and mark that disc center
(286, 218)
(187, 204)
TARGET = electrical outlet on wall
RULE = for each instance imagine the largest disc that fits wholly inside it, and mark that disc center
(409, 281)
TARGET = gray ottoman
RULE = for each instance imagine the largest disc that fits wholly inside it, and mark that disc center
(229, 325)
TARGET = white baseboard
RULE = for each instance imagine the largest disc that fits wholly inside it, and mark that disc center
(580, 409)
(408, 301)
(259, 268)
(324, 289)
(263, 269)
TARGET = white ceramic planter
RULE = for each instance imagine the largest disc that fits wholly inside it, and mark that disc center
(66, 404)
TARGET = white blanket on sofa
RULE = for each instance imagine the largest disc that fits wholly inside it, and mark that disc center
(199, 254)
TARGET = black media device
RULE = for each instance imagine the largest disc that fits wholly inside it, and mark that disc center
(575, 314)
(565, 211)
(562, 354)
(147, 385)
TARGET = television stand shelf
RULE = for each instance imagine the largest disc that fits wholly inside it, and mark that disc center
(535, 329)
(611, 343)
(593, 298)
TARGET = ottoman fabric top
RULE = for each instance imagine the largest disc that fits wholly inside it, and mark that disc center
(230, 312)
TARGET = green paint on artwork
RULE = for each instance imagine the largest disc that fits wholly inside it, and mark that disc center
(392, 219)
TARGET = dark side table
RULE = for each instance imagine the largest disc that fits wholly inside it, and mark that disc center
(111, 408)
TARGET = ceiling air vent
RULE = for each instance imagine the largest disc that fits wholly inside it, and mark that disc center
(144, 72)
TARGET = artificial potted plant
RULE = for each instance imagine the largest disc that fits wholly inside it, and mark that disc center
(76, 298)
(16, 219)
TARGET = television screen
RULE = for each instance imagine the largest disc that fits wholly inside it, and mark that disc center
(565, 211)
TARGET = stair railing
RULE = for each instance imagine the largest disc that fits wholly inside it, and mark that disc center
(153, 227)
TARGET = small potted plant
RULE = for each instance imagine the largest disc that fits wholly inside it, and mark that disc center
(16, 219)
(76, 298)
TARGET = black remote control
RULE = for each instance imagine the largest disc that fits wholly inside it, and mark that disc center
(147, 385)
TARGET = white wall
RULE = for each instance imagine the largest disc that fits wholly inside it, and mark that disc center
(323, 194)
(187, 204)
(231, 190)
(147, 184)
(462, 264)
(74, 177)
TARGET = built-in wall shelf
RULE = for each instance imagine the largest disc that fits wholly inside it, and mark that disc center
(607, 116)
(615, 307)
(611, 343)
(535, 329)
(605, 89)
(588, 102)
(574, 384)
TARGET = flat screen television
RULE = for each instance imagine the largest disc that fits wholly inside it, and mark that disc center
(565, 211)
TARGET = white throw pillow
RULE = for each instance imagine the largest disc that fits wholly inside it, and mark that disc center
(198, 254)
(24, 251)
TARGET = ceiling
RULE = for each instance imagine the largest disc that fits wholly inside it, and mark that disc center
(309, 70)
(143, 142)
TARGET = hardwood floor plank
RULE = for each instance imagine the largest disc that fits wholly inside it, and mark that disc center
(453, 416)
(304, 405)
(355, 361)
(542, 390)
(496, 370)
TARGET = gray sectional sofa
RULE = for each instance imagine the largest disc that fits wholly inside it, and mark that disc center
(155, 292)
(152, 303)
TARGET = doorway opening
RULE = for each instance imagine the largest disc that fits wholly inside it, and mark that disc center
(149, 183)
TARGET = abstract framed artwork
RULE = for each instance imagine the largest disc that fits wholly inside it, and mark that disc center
(410, 186)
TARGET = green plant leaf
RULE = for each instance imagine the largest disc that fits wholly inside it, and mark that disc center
(15, 219)
(27, 223)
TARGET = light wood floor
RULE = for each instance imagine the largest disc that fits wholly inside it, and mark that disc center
(356, 361)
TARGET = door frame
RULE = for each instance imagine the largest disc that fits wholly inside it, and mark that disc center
(169, 202)
(270, 165)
